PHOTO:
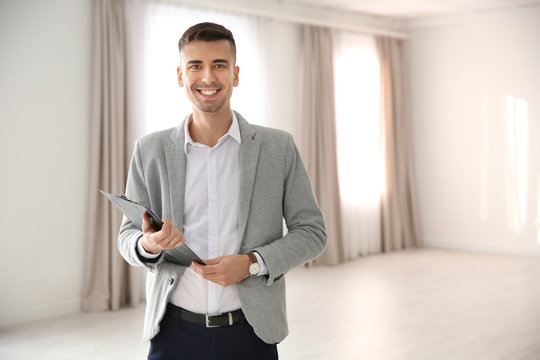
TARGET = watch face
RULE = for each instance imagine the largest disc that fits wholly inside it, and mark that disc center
(254, 269)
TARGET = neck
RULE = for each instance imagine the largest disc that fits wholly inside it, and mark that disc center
(208, 128)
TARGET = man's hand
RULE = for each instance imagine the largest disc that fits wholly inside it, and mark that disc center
(155, 242)
(224, 270)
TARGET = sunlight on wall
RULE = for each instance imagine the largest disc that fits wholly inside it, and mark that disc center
(517, 131)
(484, 164)
(538, 212)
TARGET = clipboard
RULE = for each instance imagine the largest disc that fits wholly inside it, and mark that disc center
(133, 210)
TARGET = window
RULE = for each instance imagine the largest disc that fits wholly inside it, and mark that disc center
(267, 93)
(356, 77)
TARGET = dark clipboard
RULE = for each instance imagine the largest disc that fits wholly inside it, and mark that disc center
(181, 255)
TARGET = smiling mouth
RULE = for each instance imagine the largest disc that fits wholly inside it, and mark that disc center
(208, 92)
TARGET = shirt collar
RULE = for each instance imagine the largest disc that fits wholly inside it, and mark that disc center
(234, 131)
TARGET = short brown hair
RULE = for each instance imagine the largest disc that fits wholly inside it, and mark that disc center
(207, 31)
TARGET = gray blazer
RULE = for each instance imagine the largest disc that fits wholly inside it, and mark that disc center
(274, 186)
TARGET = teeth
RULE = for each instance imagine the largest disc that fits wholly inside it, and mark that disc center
(208, 92)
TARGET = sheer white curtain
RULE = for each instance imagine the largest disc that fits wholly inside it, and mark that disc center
(268, 89)
(357, 102)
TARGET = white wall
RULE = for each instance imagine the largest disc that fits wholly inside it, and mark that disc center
(45, 68)
(475, 87)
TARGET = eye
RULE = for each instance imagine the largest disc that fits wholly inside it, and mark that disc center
(220, 66)
(195, 67)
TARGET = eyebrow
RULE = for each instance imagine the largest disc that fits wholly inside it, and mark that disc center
(191, 62)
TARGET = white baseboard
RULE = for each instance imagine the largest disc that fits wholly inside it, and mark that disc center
(40, 312)
(490, 248)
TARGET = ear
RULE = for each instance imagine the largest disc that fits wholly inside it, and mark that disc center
(179, 75)
(236, 70)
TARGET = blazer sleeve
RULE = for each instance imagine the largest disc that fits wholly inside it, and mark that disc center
(306, 236)
(129, 233)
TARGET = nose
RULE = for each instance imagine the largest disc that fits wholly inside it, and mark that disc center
(208, 75)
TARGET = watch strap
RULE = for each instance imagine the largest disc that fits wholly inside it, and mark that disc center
(252, 257)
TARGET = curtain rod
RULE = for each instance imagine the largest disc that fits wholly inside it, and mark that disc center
(306, 15)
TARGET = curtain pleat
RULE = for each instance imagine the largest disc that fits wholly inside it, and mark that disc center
(398, 208)
(109, 283)
(318, 134)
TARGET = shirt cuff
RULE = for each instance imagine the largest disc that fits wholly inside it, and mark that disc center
(143, 252)
(263, 269)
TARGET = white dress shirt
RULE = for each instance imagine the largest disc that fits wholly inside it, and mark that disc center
(211, 203)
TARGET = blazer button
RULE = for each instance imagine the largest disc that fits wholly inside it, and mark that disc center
(171, 281)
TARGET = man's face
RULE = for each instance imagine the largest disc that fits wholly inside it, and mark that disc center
(208, 74)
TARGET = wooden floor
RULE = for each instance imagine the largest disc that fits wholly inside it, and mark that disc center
(420, 304)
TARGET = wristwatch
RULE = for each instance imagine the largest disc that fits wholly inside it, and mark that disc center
(254, 267)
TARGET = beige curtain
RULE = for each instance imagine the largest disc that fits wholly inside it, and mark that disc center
(318, 133)
(109, 282)
(399, 220)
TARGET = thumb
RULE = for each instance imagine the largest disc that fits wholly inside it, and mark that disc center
(146, 227)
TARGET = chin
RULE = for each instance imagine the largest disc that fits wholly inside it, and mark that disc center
(210, 108)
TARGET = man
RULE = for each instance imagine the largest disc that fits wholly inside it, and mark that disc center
(226, 187)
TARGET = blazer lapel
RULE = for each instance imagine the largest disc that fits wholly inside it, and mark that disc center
(249, 156)
(176, 165)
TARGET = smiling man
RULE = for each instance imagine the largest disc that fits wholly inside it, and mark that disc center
(209, 79)
(226, 185)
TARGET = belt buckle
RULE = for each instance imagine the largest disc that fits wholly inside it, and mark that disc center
(208, 325)
(208, 319)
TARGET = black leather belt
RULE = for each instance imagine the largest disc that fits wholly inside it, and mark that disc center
(209, 321)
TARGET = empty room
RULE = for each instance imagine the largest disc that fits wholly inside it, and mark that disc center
(292, 179)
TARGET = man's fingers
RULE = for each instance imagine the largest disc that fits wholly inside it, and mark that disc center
(167, 238)
(174, 241)
(204, 269)
(174, 238)
(146, 227)
(225, 270)
(167, 242)
(166, 234)
(213, 273)
(166, 228)
(211, 267)
(213, 261)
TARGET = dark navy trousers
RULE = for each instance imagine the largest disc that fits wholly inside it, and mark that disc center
(182, 340)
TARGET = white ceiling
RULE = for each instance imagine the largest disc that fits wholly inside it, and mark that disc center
(414, 8)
